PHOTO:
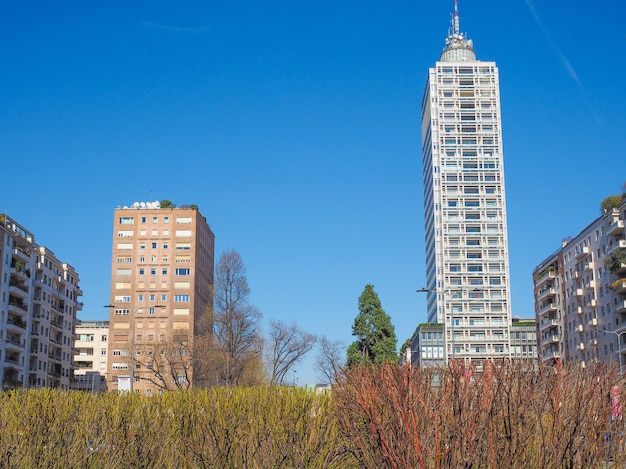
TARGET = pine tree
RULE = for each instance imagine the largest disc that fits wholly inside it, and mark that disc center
(376, 337)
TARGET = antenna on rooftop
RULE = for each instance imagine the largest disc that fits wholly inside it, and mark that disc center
(457, 28)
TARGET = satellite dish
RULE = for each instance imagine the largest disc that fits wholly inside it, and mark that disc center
(142, 204)
(135, 205)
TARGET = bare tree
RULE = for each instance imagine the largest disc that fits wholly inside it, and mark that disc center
(287, 345)
(235, 322)
(330, 359)
(167, 363)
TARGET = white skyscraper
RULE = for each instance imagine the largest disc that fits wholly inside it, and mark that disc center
(467, 264)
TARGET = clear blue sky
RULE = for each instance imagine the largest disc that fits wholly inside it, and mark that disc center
(296, 129)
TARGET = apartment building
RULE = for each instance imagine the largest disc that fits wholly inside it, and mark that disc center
(161, 283)
(467, 262)
(427, 347)
(91, 347)
(39, 301)
(524, 340)
(580, 295)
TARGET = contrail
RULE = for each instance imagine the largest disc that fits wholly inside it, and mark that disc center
(570, 69)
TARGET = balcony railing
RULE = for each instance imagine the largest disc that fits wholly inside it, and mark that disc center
(620, 244)
(616, 228)
(582, 252)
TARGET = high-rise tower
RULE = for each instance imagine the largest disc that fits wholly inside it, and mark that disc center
(467, 264)
(161, 287)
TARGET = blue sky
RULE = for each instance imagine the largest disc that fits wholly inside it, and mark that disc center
(296, 129)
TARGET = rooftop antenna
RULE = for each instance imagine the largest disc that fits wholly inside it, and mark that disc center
(457, 29)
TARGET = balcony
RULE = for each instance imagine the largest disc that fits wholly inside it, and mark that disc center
(547, 308)
(18, 287)
(551, 275)
(620, 244)
(589, 266)
(548, 323)
(621, 307)
(551, 339)
(14, 343)
(17, 306)
(579, 328)
(21, 254)
(580, 346)
(616, 228)
(579, 292)
(593, 322)
(546, 293)
(551, 354)
(16, 323)
(619, 286)
(589, 285)
(582, 252)
(578, 310)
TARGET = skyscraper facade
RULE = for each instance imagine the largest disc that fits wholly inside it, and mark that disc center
(467, 266)
(161, 291)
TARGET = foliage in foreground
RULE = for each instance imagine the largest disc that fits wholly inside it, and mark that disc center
(506, 416)
(377, 416)
(225, 427)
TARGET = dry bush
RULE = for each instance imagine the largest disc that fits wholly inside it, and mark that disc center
(505, 416)
(218, 428)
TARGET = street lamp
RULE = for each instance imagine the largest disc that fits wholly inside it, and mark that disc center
(132, 342)
(619, 352)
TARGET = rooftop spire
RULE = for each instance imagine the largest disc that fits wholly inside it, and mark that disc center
(458, 47)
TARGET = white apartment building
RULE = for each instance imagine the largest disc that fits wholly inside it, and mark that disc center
(467, 265)
(39, 300)
(91, 347)
(580, 295)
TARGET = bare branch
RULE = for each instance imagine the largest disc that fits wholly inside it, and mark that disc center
(287, 346)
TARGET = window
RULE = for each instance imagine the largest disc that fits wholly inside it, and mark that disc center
(140, 298)
(164, 271)
(182, 271)
(163, 297)
(151, 297)
(154, 245)
(165, 245)
(121, 312)
(181, 298)
(143, 219)
(126, 220)
(141, 271)
(153, 271)
(166, 219)
(155, 219)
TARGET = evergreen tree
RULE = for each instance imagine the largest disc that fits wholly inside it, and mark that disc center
(376, 337)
